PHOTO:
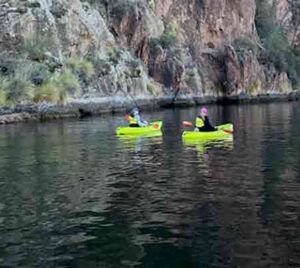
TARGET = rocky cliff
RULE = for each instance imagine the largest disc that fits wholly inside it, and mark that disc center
(143, 52)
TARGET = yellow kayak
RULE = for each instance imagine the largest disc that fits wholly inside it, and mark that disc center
(154, 127)
(223, 131)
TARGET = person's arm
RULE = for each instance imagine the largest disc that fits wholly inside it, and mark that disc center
(208, 124)
(139, 121)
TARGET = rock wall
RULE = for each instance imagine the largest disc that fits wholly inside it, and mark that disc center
(152, 51)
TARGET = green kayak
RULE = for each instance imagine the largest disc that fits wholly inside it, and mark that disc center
(154, 127)
(223, 131)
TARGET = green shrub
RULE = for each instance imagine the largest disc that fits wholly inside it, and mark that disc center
(168, 38)
(58, 88)
(36, 45)
(101, 66)
(151, 4)
(244, 43)
(114, 54)
(47, 92)
(80, 67)
(4, 85)
(31, 81)
(20, 89)
(67, 85)
(121, 9)
(152, 89)
(133, 63)
(277, 49)
(17, 85)
(265, 17)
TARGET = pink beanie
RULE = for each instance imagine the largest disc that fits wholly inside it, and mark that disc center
(204, 110)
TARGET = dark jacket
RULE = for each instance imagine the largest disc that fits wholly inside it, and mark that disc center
(207, 126)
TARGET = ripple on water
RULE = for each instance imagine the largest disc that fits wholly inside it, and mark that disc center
(75, 195)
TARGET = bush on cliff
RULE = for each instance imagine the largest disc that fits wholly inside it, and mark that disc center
(168, 38)
(244, 44)
(58, 88)
(152, 4)
(29, 81)
(81, 67)
(4, 83)
(47, 92)
(101, 65)
(276, 47)
(19, 90)
(36, 45)
(121, 9)
(114, 54)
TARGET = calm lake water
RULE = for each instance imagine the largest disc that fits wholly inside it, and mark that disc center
(74, 195)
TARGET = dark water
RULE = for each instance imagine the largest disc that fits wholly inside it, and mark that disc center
(74, 195)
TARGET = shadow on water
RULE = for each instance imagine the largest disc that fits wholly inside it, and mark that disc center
(74, 195)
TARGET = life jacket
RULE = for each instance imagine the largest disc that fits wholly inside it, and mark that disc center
(199, 122)
(132, 120)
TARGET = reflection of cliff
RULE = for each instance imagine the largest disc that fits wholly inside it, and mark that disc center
(74, 195)
(227, 204)
(206, 150)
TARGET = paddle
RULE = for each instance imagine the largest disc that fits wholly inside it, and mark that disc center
(229, 131)
(187, 124)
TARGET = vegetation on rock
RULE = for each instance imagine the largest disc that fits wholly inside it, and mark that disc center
(276, 47)
(168, 38)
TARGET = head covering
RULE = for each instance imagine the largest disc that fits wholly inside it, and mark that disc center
(135, 110)
(204, 110)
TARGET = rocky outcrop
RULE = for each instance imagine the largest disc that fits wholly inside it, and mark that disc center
(148, 52)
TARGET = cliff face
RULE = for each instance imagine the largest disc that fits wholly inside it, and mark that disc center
(145, 50)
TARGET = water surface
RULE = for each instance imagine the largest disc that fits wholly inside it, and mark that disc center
(74, 195)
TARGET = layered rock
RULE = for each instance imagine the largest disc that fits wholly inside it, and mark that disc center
(182, 51)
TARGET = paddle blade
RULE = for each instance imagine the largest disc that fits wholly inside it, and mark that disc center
(187, 124)
(229, 131)
(126, 117)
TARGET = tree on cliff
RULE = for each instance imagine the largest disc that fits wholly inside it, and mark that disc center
(277, 49)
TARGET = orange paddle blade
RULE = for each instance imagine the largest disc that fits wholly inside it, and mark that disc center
(229, 131)
(126, 117)
(187, 124)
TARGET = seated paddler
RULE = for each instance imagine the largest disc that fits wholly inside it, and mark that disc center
(202, 122)
(135, 120)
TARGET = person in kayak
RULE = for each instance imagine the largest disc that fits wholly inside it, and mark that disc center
(202, 122)
(135, 120)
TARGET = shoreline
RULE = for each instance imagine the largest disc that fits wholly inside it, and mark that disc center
(102, 106)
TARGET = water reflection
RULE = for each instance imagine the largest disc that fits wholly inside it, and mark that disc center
(75, 195)
(136, 142)
(205, 150)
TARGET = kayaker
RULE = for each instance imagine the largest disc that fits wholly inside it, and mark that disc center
(202, 122)
(135, 120)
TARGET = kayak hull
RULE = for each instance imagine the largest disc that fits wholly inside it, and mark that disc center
(223, 132)
(202, 146)
(153, 128)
